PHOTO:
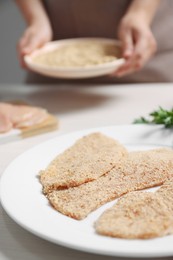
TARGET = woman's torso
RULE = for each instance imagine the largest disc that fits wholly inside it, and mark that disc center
(100, 18)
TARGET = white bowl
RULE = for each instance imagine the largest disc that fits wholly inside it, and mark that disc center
(73, 72)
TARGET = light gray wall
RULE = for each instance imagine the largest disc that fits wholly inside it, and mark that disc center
(11, 28)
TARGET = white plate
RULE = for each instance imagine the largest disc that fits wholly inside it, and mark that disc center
(22, 198)
(73, 73)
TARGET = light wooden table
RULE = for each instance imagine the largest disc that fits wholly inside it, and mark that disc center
(77, 107)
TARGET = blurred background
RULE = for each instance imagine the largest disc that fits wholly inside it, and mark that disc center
(11, 28)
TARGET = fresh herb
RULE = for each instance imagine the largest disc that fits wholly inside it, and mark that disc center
(160, 116)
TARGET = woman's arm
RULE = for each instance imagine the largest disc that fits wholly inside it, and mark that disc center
(38, 29)
(138, 42)
(144, 8)
(33, 11)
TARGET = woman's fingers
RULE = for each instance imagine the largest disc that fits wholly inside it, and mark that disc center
(25, 46)
(130, 66)
(138, 43)
(126, 38)
(144, 46)
(33, 38)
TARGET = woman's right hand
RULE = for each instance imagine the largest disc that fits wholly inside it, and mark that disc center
(35, 36)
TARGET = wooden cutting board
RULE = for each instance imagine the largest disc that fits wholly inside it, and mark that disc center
(50, 124)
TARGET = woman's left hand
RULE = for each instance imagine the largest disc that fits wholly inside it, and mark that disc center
(138, 44)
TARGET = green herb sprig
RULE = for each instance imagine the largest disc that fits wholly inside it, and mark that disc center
(160, 116)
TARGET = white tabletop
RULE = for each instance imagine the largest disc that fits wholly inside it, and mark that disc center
(77, 107)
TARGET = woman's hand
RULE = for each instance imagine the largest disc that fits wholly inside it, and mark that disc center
(36, 35)
(38, 30)
(138, 43)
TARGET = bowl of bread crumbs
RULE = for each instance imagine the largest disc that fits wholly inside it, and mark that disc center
(76, 58)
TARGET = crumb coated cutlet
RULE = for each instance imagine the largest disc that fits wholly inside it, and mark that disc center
(89, 158)
(140, 215)
(139, 170)
(166, 191)
(137, 215)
